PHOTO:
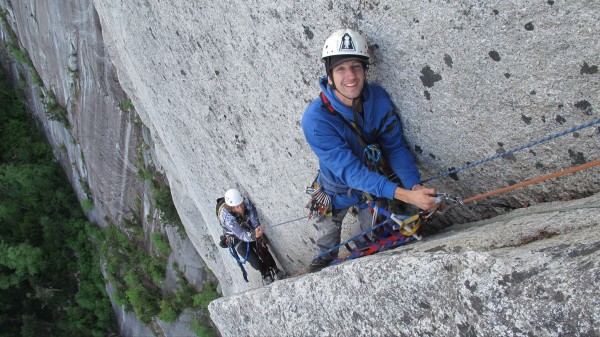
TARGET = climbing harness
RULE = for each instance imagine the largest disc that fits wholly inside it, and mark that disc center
(321, 209)
(227, 240)
(513, 150)
(396, 229)
(374, 159)
(320, 202)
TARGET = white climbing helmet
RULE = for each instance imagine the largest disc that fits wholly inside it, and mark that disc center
(233, 197)
(346, 42)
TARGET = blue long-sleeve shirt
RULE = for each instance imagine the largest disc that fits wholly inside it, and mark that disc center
(340, 153)
(241, 227)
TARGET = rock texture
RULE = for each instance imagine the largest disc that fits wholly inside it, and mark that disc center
(533, 272)
(100, 149)
(222, 86)
(66, 46)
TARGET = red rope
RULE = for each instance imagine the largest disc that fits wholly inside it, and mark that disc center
(533, 181)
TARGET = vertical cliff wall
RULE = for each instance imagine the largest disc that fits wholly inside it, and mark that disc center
(64, 67)
(65, 46)
(223, 86)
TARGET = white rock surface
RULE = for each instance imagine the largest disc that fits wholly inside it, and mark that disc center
(223, 86)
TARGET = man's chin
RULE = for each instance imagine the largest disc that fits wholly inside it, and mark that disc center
(353, 91)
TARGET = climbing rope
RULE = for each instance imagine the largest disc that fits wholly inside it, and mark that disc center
(236, 256)
(405, 228)
(513, 150)
(286, 222)
(533, 181)
(376, 156)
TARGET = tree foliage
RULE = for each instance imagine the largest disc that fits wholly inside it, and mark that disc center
(50, 281)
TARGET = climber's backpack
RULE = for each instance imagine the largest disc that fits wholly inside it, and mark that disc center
(223, 238)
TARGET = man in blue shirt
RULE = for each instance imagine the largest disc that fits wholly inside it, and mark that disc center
(350, 116)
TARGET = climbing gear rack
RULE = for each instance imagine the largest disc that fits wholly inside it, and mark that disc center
(319, 204)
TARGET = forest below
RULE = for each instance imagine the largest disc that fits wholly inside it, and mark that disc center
(50, 280)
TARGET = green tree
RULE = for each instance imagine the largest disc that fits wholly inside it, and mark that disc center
(23, 260)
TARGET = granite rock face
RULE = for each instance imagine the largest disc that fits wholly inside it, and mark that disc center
(102, 148)
(222, 87)
(532, 272)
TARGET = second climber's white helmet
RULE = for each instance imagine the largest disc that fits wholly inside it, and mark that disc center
(346, 42)
(233, 197)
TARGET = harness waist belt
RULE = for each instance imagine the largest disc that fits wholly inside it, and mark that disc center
(332, 186)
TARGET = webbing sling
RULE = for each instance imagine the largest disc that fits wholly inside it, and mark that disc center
(237, 258)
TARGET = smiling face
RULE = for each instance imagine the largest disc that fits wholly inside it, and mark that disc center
(349, 79)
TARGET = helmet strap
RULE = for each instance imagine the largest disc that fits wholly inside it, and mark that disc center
(357, 104)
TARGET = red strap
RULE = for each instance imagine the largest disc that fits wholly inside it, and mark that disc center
(326, 103)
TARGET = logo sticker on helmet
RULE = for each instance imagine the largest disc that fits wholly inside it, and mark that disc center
(347, 44)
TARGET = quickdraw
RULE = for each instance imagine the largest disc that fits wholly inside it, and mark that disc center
(319, 204)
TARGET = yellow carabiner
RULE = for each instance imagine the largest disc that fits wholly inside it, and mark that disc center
(409, 226)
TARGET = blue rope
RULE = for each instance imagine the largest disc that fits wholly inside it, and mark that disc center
(539, 141)
(240, 263)
(235, 255)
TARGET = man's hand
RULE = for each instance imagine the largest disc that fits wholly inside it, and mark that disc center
(420, 196)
